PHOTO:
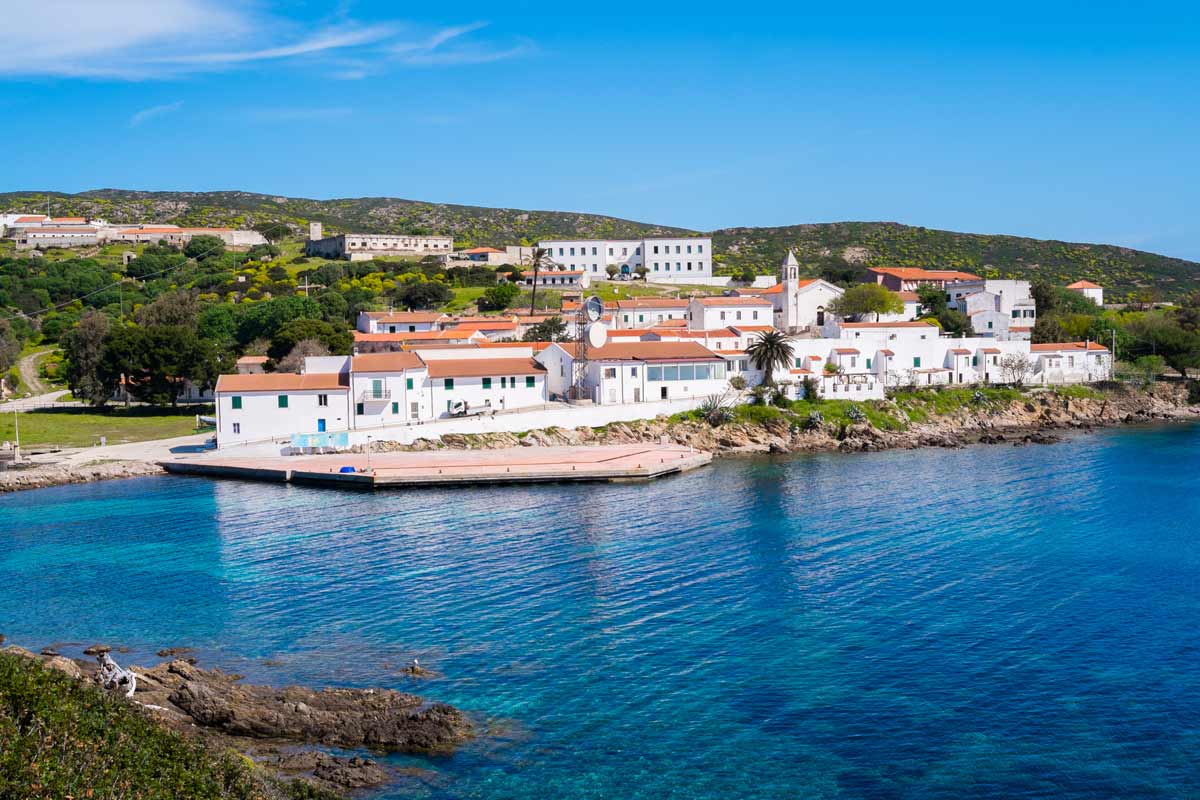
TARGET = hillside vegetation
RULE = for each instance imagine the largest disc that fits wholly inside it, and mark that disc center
(839, 250)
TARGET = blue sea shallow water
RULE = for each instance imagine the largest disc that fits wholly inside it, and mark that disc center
(993, 622)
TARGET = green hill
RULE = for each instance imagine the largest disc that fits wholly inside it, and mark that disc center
(833, 248)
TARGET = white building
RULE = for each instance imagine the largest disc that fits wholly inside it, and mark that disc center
(179, 237)
(1092, 291)
(400, 321)
(799, 303)
(557, 279)
(636, 372)
(278, 404)
(489, 381)
(666, 259)
(646, 312)
(705, 313)
(389, 389)
(43, 237)
(366, 246)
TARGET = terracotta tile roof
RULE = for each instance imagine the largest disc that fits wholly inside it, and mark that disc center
(252, 360)
(68, 219)
(386, 362)
(815, 358)
(887, 352)
(650, 302)
(647, 351)
(991, 350)
(491, 325)
(917, 274)
(671, 323)
(405, 316)
(29, 219)
(543, 273)
(730, 352)
(1022, 329)
(752, 328)
(1084, 285)
(162, 229)
(846, 350)
(918, 323)
(412, 336)
(1063, 346)
(909, 297)
(801, 371)
(731, 301)
(39, 231)
(933, 369)
(960, 351)
(282, 382)
(474, 250)
(483, 367)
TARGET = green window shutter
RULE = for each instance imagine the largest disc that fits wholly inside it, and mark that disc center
(916, 361)
(237, 401)
(868, 363)
(358, 408)
(395, 408)
(408, 383)
(797, 363)
(487, 383)
(974, 361)
(283, 401)
(449, 383)
(529, 381)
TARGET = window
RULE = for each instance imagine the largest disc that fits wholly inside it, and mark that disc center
(670, 373)
(283, 400)
(676, 248)
(641, 317)
(572, 251)
(868, 363)
(689, 248)
(655, 249)
(529, 381)
(610, 372)
(322, 399)
(395, 408)
(722, 316)
(704, 371)
(656, 266)
(699, 248)
(358, 409)
(237, 427)
(448, 383)
(593, 251)
(989, 325)
(798, 364)
(1016, 313)
(414, 410)
(633, 372)
(654, 373)
(487, 383)
(916, 361)
(408, 384)
(236, 401)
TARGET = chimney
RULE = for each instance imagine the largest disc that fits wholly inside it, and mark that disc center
(314, 230)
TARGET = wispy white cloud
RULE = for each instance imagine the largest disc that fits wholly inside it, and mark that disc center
(154, 111)
(445, 48)
(156, 39)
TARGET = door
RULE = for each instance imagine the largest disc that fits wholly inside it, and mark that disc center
(377, 388)
(320, 426)
(612, 394)
(637, 394)
(664, 392)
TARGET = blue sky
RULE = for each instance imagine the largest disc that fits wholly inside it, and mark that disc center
(1074, 121)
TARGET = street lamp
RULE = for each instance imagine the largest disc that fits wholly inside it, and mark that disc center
(368, 454)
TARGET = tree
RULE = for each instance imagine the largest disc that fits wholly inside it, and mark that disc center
(867, 298)
(641, 271)
(612, 271)
(1048, 329)
(10, 345)
(1016, 367)
(933, 300)
(305, 348)
(1160, 334)
(155, 362)
(274, 231)
(425, 294)
(261, 320)
(550, 330)
(172, 308)
(82, 347)
(498, 297)
(769, 351)
(216, 323)
(290, 334)
(204, 247)
(955, 323)
(539, 258)
(747, 275)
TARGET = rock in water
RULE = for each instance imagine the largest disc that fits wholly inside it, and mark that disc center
(97, 649)
(380, 719)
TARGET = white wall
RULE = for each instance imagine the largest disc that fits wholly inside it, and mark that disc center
(706, 317)
(260, 416)
(395, 400)
(499, 397)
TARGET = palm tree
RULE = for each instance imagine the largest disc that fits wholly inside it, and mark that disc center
(538, 258)
(770, 351)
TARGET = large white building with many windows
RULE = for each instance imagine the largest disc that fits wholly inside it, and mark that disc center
(666, 259)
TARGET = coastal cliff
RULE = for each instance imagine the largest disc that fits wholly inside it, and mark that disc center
(931, 418)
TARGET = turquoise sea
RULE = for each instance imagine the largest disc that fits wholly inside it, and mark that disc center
(992, 622)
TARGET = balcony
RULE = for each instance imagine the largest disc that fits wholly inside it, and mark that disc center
(373, 395)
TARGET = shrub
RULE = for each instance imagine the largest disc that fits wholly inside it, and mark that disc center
(855, 414)
(738, 382)
(815, 420)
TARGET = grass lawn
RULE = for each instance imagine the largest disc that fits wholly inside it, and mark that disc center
(83, 427)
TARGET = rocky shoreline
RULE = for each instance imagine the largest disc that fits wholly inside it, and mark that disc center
(43, 475)
(282, 729)
(1032, 419)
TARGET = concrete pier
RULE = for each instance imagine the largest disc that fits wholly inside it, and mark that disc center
(455, 467)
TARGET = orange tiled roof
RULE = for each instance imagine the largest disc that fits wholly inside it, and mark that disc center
(281, 382)
(1058, 346)
(483, 367)
(1084, 285)
(918, 274)
(386, 362)
(918, 323)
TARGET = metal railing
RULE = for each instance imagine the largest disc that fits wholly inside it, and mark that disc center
(368, 395)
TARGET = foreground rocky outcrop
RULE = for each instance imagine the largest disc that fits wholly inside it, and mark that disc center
(1031, 419)
(39, 477)
(278, 727)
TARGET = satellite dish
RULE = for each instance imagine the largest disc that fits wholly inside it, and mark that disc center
(597, 335)
(594, 308)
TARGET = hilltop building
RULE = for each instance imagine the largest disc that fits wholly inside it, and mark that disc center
(666, 259)
(909, 279)
(366, 246)
(798, 303)
(1092, 291)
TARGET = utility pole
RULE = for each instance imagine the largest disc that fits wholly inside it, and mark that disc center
(17, 425)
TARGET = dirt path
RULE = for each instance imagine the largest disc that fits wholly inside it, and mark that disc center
(27, 369)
